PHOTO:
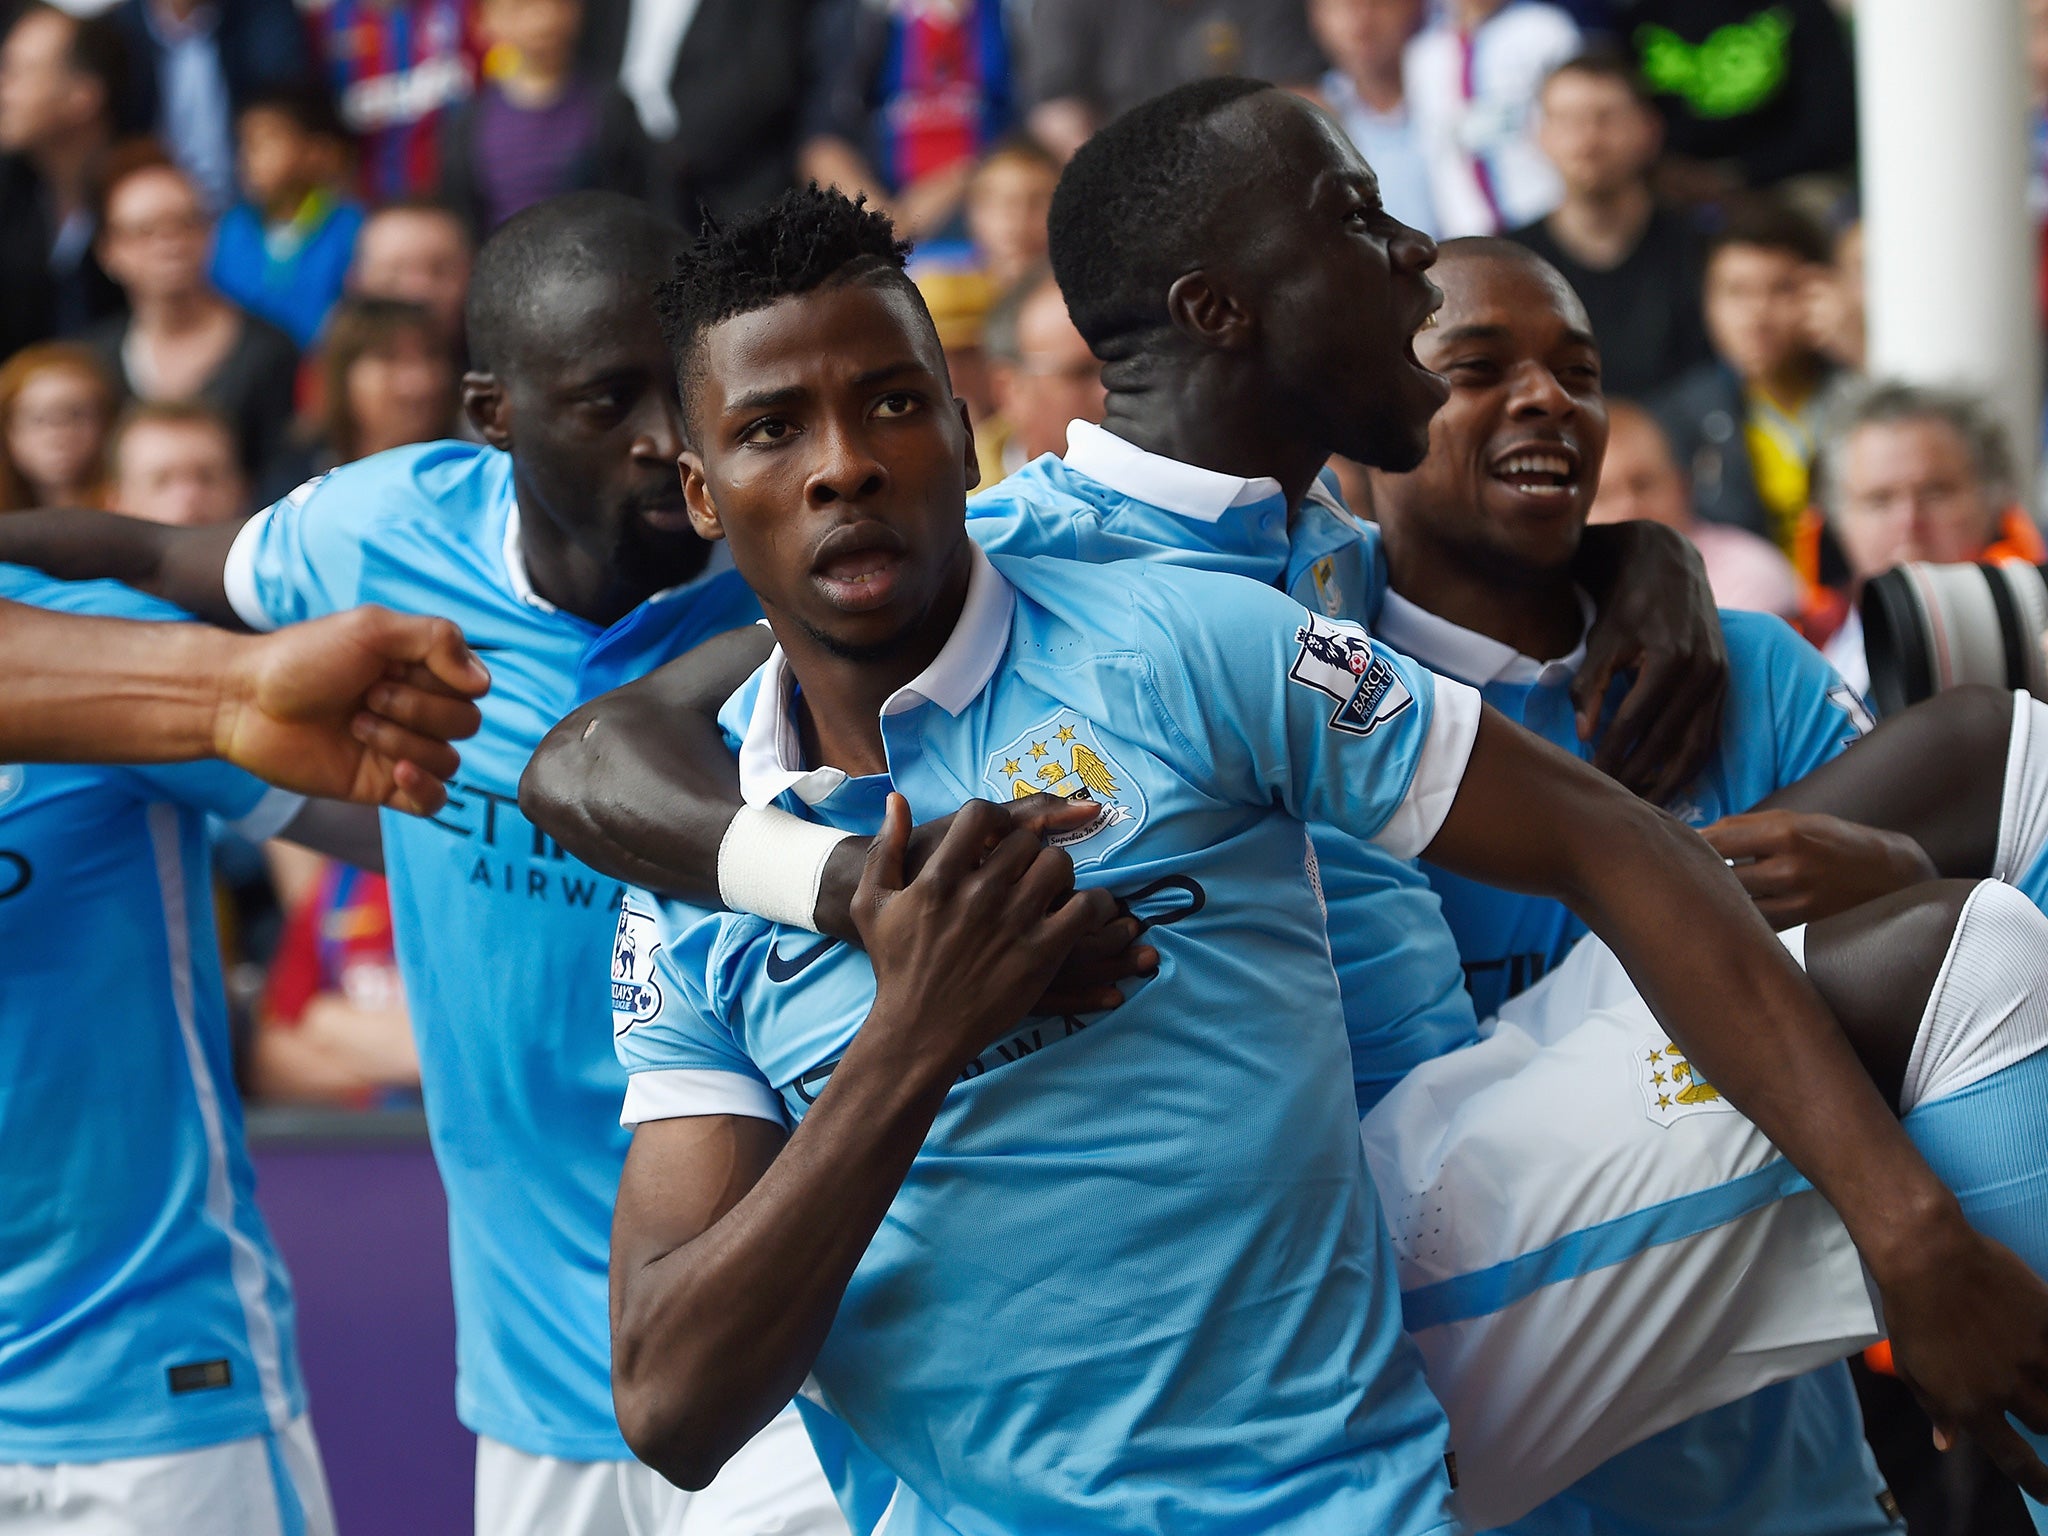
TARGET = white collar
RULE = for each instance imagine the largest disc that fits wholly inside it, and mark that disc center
(1200, 494)
(515, 565)
(1468, 655)
(770, 753)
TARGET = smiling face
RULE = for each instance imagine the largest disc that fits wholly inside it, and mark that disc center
(1334, 285)
(827, 450)
(1514, 455)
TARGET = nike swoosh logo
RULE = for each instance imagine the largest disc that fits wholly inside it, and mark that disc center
(781, 968)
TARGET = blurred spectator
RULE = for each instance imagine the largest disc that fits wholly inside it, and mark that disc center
(1912, 473)
(420, 252)
(283, 251)
(55, 406)
(959, 303)
(720, 89)
(1753, 91)
(1365, 40)
(1745, 423)
(1834, 302)
(1636, 266)
(181, 340)
(176, 463)
(61, 84)
(537, 127)
(1087, 60)
(1641, 481)
(1041, 377)
(196, 64)
(333, 1026)
(396, 67)
(387, 378)
(1471, 79)
(909, 95)
(1008, 198)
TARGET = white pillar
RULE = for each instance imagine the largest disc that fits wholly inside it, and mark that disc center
(1949, 247)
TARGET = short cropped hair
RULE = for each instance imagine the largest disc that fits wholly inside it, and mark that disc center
(1765, 221)
(172, 413)
(1605, 62)
(1134, 209)
(1891, 403)
(571, 235)
(805, 239)
(307, 105)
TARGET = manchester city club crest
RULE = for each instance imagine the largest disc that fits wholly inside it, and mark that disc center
(12, 777)
(1672, 1086)
(636, 994)
(1337, 660)
(1064, 756)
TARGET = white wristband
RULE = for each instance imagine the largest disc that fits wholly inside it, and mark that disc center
(771, 864)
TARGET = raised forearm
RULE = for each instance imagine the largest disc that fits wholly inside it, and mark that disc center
(79, 689)
(1751, 1023)
(640, 783)
(1934, 773)
(181, 565)
(711, 1339)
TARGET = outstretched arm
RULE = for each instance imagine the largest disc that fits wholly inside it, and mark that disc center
(1918, 798)
(731, 1247)
(180, 565)
(360, 706)
(1529, 817)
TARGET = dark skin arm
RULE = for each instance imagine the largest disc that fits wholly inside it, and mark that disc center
(641, 786)
(732, 1243)
(1965, 1312)
(1656, 618)
(1918, 799)
(180, 565)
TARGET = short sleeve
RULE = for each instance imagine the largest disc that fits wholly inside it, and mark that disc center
(302, 557)
(680, 1058)
(250, 807)
(1816, 714)
(1278, 705)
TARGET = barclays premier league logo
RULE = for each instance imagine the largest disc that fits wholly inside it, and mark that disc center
(1337, 660)
(636, 995)
(1063, 756)
(12, 777)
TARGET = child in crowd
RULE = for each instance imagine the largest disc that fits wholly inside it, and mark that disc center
(1008, 198)
(537, 127)
(1471, 79)
(55, 405)
(175, 462)
(283, 251)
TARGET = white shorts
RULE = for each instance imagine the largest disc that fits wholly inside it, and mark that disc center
(1593, 1244)
(264, 1485)
(773, 1487)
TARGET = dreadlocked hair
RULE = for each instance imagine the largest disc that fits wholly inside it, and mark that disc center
(803, 240)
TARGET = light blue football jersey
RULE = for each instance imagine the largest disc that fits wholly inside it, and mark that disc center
(502, 938)
(1790, 1460)
(1137, 1277)
(143, 1308)
(1787, 713)
(1397, 963)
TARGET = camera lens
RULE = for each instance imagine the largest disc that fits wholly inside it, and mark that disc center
(1930, 627)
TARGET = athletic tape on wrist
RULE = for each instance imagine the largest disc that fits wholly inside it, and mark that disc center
(772, 864)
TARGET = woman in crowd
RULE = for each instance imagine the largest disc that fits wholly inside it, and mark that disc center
(181, 340)
(55, 407)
